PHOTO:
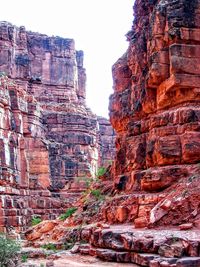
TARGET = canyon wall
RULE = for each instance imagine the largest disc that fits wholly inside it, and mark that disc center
(155, 110)
(154, 181)
(50, 140)
(106, 141)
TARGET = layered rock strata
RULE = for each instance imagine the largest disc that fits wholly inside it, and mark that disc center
(106, 141)
(50, 140)
(25, 173)
(155, 110)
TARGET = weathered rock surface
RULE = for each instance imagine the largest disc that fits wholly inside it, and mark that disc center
(155, 110)
(160, 247)
(25, 175)
(106, 141)
(63, 259)
(50, 140)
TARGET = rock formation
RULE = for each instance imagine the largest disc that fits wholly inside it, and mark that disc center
(155, 110)
(107, 139)
(24, 158)
(50, 140)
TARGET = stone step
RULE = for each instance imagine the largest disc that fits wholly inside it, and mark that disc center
(158, 247)
(146, 240)
(142, 259)
(189, 262)
(170, 247)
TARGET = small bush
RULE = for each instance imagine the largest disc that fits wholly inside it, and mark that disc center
(35, 221)
(69, 212)
(97, 194)
(24, 258)
(101, 171)
(8, 250)
(49, 246)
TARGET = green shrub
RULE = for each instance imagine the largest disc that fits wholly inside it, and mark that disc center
(24, 258)
(101, 171)
(97, 194)
(49, 246)
(8, 250)
(35, 221)
(69, 212)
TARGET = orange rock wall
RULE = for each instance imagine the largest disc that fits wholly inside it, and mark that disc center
(52, 71)
(155, 110)
(25, 174)
(106, 141)
(50, 140)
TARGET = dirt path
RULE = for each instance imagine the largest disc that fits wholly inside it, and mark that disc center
(76, 260)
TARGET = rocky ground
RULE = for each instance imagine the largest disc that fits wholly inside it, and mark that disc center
(174, 247)
(68, 259)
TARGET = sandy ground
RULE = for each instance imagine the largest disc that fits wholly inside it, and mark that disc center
(72, 260)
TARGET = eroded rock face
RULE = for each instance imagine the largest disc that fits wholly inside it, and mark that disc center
(25, 173)
(155, 110)
(106, 141)
(52, 70)
(50, 140)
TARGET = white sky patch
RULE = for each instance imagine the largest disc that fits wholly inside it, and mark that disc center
(97, 26)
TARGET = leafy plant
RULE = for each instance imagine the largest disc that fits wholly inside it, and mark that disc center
(49, 246)
(101, 171)
(97, 194)
(35, 221)
(69, 212)
(8, 250)
(24, 258)
(88, 182)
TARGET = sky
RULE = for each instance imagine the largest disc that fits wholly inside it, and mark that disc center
(97, 26)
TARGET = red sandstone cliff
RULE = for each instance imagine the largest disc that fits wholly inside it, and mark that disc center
(25, 173)
(106, 141)
(155, 112)
(50, 140)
